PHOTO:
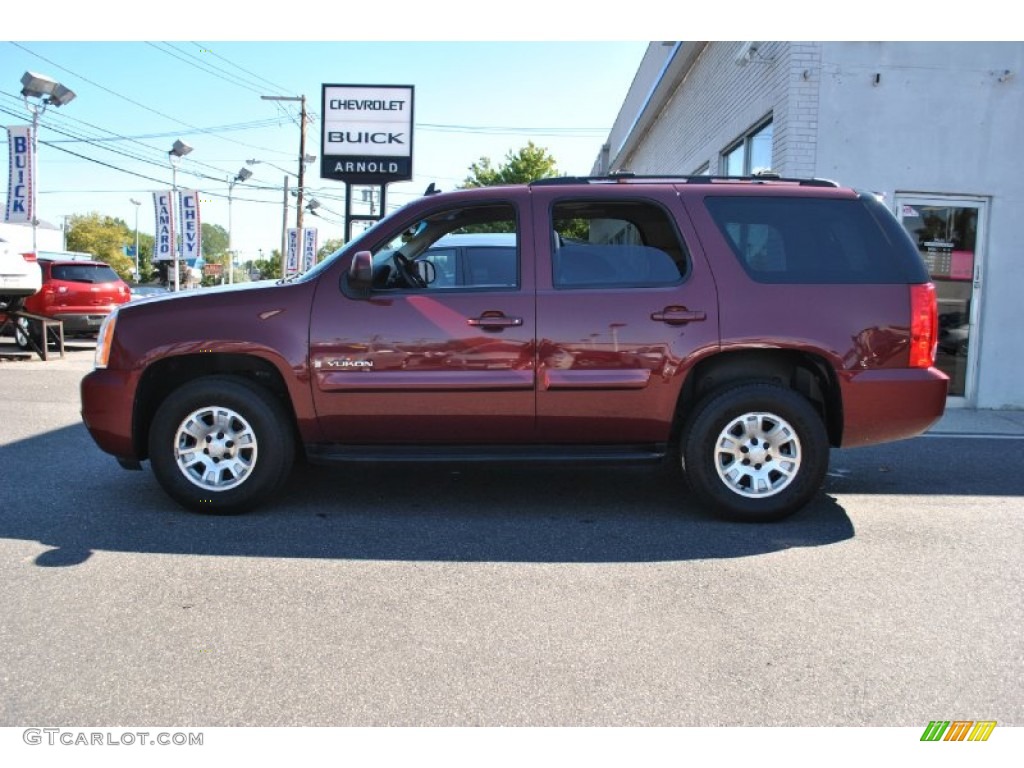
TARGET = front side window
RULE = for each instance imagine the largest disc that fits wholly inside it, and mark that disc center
(458, 249)
(615, 243)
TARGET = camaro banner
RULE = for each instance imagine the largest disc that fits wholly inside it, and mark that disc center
(19, 181)
(191, 231)
(163, 248)
(308, 249)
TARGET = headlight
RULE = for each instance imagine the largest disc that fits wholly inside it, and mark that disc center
(104, 340)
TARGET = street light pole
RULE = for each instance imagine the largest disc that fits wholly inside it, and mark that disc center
(242, 175)
(136, 203)
(48, 91)
(178, 151)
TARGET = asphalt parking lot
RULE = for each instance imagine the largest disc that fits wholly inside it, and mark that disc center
(505, 595)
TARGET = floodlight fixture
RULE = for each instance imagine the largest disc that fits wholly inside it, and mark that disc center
(244, 174)
(180, 148)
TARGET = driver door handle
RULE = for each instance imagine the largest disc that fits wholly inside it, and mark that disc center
(678, 315)
(495, 320)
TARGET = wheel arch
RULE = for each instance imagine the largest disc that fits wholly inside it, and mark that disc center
(167, 374)
(805, 372)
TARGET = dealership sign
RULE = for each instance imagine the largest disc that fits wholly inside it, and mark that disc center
(19, 180)
(367, 133)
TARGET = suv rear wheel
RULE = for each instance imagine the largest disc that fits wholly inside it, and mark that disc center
(756, 452)
(220, 444)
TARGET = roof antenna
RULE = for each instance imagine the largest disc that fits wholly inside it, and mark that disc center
(432, 190)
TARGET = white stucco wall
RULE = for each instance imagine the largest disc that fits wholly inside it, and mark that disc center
(943, 119)
(939, 119)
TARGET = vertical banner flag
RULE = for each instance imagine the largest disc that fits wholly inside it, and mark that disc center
(308, 249)
(291, 261)
(191, 231)
(163, 247)
(20, 181)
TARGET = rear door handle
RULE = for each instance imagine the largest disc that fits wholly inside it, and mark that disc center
(679, 315)
(495, 320)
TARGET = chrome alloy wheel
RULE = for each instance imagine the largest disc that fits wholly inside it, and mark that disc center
(757, 455)
(215, 448)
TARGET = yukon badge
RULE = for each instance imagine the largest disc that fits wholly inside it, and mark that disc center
(348, 364)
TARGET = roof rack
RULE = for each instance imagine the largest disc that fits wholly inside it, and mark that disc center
(629, 178)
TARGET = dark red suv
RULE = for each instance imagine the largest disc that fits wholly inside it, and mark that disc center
(735, 327)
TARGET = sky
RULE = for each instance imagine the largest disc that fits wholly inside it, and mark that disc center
(487, 80)
(134, 99)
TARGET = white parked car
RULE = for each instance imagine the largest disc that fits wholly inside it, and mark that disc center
(20, 277)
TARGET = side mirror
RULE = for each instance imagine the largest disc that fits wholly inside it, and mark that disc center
(360, 273)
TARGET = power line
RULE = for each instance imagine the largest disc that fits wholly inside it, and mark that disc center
(143, 106)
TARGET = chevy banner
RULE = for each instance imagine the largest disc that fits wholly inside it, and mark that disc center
(191, 231)
(308, 249)
(19, 183)
(291, 262)
(163, 247)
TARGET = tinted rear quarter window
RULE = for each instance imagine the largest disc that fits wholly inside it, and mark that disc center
(814, 240)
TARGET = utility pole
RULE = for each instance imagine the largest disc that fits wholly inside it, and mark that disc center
(302, 172)
(284, 226)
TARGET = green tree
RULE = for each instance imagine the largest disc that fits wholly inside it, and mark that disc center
(105, 238)
(269, 269)
(330, 246)
(215, 240)
(528, 164)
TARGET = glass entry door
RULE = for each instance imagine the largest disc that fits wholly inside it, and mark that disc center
(949, 236)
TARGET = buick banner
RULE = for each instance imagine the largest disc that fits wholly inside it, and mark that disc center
(19, 181)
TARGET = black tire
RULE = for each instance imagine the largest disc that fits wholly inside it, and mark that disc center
(22, 331)
(755, 452)
(243, 441)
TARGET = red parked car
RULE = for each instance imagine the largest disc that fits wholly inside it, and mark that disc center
(738, 328)
(78, 291)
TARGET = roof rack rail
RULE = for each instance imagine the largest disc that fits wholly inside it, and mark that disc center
(629, 178)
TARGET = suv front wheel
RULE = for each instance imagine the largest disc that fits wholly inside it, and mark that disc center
(756, 452)
(220, 444)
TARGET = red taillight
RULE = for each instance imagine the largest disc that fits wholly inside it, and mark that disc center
(924, 325)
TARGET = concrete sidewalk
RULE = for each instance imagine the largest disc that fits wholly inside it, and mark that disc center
(961, 422)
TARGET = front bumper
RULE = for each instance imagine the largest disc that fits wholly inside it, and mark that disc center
(108, 400)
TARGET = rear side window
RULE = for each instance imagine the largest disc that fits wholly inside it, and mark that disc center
(615, 244)
(813, 240)
(83, 273)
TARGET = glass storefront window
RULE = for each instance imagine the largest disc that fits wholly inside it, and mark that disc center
(946, 237)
